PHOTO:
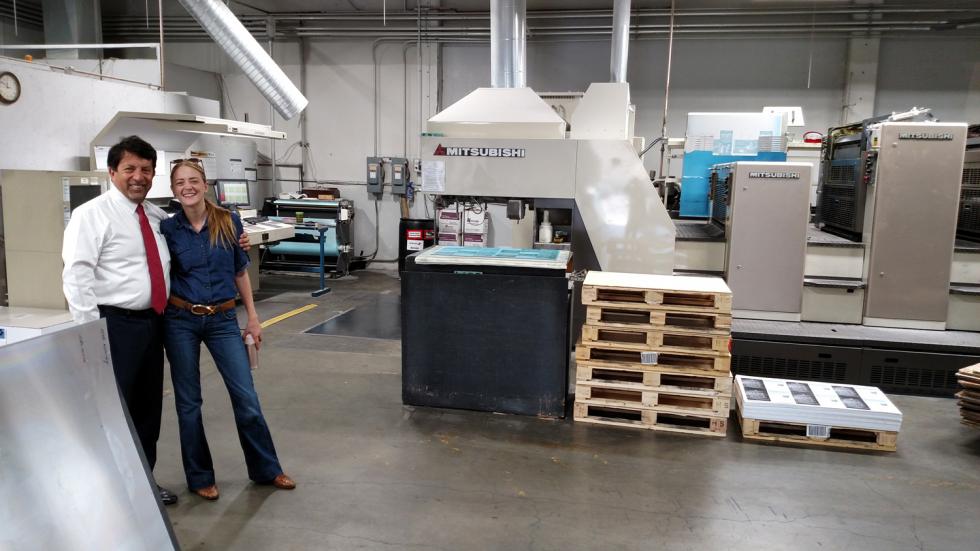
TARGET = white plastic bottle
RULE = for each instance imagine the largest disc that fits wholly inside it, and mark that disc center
(253, 354)
(545, 233)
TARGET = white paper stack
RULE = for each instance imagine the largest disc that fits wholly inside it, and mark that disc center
(816, 403)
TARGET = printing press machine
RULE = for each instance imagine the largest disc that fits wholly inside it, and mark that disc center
(968, 221)
(896, 305)
(302, 251)
(870, 311)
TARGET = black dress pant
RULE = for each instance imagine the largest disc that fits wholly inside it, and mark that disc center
(136, 346)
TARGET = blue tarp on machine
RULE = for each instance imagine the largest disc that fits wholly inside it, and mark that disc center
(307, 241)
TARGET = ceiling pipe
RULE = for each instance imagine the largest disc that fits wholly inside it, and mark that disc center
(508, 31)
(565, 14)
(637, 31)
(619, 57)
(600, 30)
(229, 33)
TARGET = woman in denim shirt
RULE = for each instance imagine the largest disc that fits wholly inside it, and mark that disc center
(207, 268)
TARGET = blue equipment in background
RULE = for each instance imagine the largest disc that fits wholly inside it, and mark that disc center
(717, 138)
(695, 184)
(302, 252)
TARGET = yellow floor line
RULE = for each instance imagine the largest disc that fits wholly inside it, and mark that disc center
(287, 315)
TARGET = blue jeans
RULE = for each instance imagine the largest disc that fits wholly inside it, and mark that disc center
(183, 334)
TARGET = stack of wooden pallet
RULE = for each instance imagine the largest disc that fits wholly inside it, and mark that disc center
(655, 353)
(969, 397)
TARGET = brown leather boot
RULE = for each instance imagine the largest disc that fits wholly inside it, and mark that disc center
(283, 482)
(209, 493)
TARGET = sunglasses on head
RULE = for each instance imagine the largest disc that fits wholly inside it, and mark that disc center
(194, 160)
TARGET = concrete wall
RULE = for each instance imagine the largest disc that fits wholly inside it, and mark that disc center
(58, 115)
(142, 71)
(940, 73)
(708, 75)
(195, 82)
(339, 119)
(24, 35)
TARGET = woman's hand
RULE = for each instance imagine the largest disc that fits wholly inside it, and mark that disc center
(254, 328)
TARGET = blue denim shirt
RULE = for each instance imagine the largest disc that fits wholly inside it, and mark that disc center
(200, 273)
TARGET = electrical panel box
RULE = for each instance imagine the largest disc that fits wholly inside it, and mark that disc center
(399, 175)
(375, 175)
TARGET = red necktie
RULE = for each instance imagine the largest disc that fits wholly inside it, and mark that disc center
(158, 287)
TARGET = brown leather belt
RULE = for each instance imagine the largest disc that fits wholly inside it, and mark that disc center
(202, 309)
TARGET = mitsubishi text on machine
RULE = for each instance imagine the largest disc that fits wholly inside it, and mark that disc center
(456, 151)
(780, 175)
(945, 136)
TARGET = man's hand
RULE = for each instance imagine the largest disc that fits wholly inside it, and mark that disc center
(244, 243)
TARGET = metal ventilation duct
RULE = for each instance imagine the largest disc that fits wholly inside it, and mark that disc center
(229, 33)
(620, 41)
(508, 29)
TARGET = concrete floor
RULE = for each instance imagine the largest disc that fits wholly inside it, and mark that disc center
(374, 474)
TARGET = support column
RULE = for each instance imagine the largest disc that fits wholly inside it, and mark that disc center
(861, 82)
(72, 22)
(973, 96)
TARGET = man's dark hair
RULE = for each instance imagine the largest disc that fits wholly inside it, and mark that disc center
(134, 145)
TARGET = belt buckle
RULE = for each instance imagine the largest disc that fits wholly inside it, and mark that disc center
(202, 309)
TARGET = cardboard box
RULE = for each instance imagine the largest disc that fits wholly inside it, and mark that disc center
(447, 238)
(448, 221)
(475, 221)
(474, 239)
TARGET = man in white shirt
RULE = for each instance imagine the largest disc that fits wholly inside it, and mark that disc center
(117, 266)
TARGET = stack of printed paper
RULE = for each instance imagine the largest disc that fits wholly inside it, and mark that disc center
(815, 403)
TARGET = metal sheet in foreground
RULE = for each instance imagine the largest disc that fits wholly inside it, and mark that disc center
(379, 318)
(70, 471)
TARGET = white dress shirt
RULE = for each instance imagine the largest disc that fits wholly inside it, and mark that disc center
(104, 255)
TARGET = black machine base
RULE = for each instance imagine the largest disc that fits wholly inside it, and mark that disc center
(485, 338)
(901, 361)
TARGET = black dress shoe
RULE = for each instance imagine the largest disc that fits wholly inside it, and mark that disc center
(166, 496)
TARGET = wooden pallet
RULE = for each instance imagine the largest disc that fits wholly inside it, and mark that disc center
(969, 398)
(794, 434)
(969, 377)
(698, 323)
(969, 384)
(709, 382)
(677, 359)
(640, 299)
(639, 396)
(650, 420)
(969, 403)
(648, 339)
(657, 291)
(970, 371)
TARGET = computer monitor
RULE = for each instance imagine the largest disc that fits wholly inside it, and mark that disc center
(232, 192)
